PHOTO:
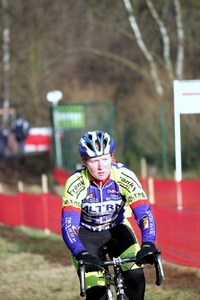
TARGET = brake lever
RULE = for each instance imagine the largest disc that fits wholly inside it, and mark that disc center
(158, 266)
(81, 270)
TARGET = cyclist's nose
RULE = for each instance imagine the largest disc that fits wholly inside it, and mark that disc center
(100, 165)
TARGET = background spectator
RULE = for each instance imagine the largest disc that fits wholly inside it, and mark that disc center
(20, 129)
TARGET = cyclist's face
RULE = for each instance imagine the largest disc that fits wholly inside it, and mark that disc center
(99, 166)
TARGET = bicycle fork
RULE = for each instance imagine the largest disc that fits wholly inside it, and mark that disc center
(119, 283)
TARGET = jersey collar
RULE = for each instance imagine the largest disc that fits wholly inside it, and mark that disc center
(99, 182)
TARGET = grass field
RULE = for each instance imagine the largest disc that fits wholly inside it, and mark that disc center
(37, 267)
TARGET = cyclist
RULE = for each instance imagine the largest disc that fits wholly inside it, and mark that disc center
(95, 200)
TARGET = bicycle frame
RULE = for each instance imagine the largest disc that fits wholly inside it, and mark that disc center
(118, 281)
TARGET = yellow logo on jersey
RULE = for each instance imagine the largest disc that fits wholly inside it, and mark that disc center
(145, 222)
(89, 196)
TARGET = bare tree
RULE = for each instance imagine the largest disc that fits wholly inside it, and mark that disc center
(165, 38)
(166, 43)
(180, 38)
(6, 55)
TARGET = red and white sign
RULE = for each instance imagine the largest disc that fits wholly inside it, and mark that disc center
(39, 139)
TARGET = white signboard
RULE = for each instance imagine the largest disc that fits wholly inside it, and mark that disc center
(186, 101)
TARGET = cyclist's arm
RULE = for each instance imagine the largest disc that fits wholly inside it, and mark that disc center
(132, 189)
(71, 214)
(145, 220)
(70, 224)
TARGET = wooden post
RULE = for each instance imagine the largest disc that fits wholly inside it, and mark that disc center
(44, 184)
(143, 168)
(21, 207)
(45, 206)
(151, 190)
(20, 186)
(1, 188)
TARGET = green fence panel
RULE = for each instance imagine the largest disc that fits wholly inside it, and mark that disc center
(70, 122)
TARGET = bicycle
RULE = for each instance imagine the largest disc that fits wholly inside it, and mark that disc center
(117, 280)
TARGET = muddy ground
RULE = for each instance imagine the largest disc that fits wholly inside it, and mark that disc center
(27, 168)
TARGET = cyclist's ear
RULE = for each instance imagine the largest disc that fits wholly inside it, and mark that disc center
(84, 160)
(113, 157)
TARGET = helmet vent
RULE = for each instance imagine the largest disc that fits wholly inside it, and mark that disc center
(89, 146)
(97, 145)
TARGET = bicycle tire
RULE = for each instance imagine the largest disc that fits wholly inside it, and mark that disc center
(110, 294)
(122, 297)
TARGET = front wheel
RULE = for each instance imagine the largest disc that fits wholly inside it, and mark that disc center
(122, 297)
(110, 294)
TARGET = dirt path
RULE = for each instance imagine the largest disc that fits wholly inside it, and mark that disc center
(28, 168)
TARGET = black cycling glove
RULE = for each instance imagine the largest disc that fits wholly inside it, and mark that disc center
(92, 263)
(144, 254)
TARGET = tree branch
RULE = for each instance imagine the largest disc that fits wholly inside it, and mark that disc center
(128, 63)
(165, 39)
(147, 54)
(180, 36)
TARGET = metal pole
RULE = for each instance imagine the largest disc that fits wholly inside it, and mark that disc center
(163, 142)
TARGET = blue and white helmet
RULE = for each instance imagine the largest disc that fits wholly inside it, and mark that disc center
(95, 143)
